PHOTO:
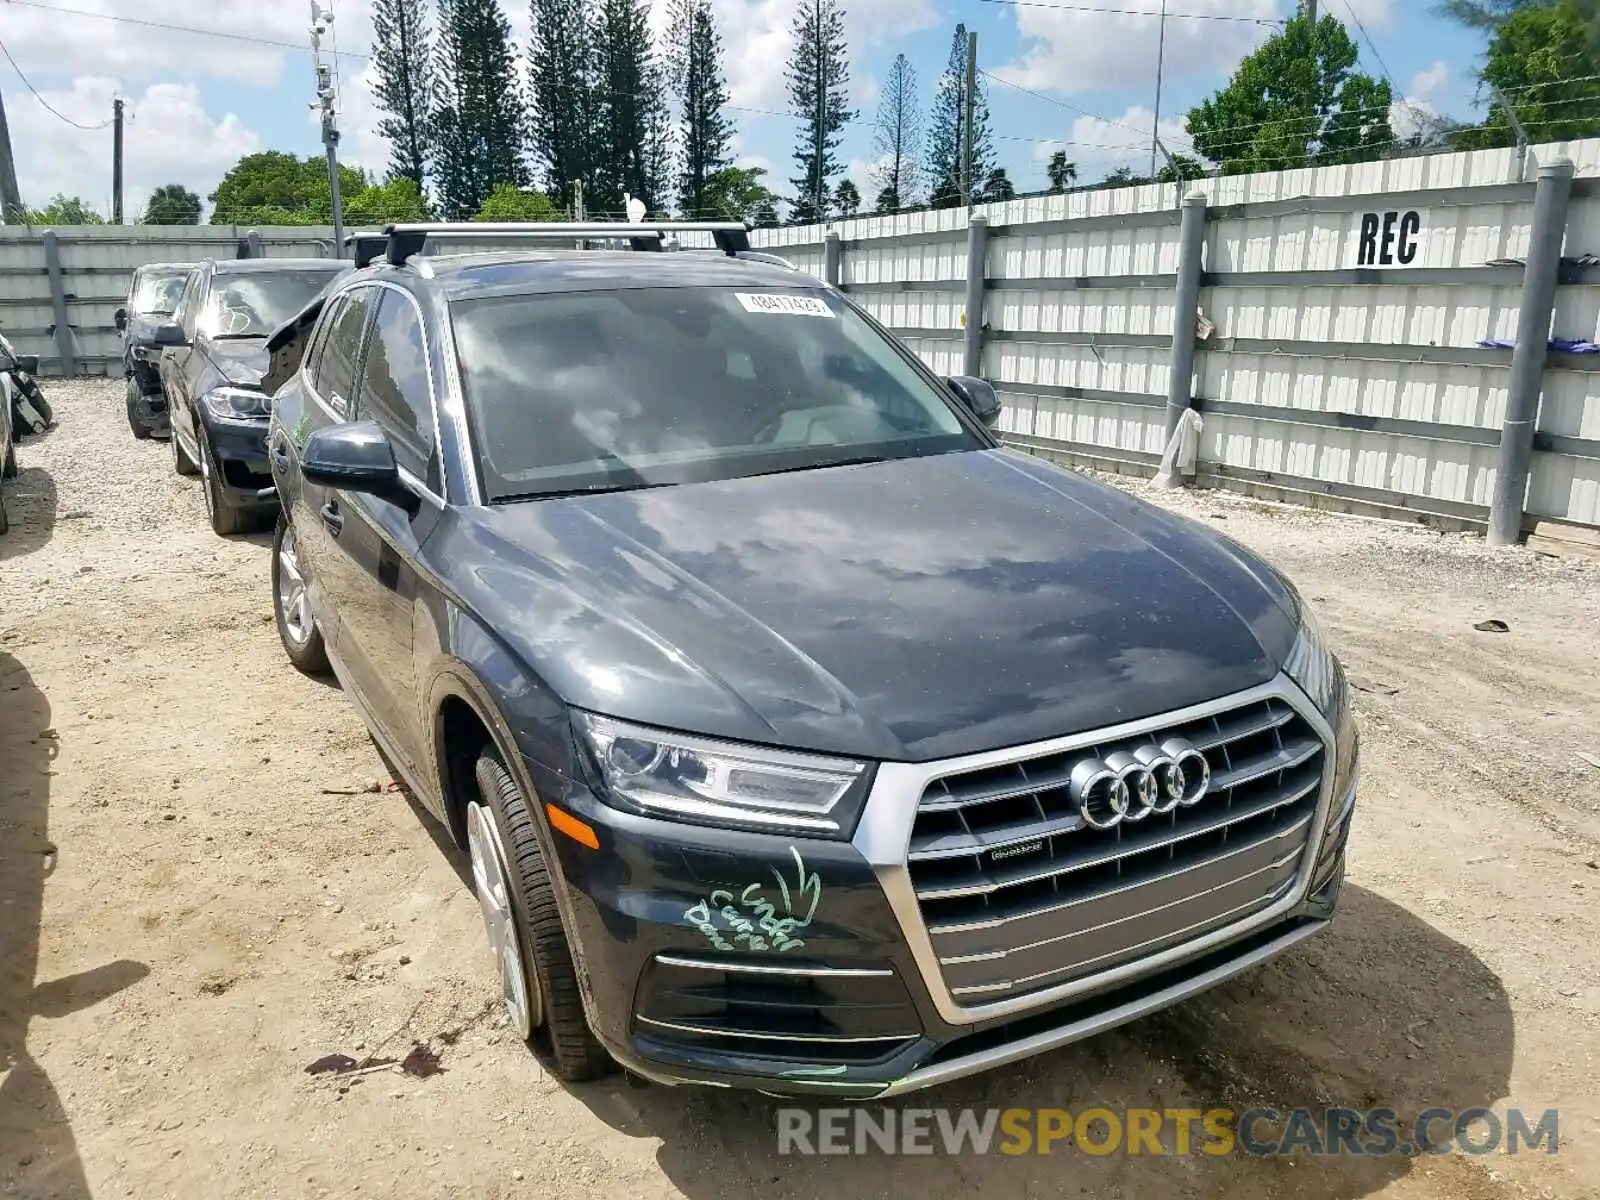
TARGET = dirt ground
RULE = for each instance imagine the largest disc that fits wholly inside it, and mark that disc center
(188, 919)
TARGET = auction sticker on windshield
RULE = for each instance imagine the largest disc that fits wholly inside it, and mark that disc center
(794, 306)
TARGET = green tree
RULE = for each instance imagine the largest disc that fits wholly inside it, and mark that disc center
(260, 189)
(767, 216)
(1061, 172)
(1297, 101)
(631, 109)
(383, 203)
(403, 84)
(695, 67)
(1180, 169)
(508, 203)
(947, 129)
(478, 115)
(737, 194)
(847, 198)
(171, 204)
(1124, 177)
(1541, 60)
(1483, 14)
(819, 79)
(66, 210)
(897, 133)
(997, 187)
(561, 65)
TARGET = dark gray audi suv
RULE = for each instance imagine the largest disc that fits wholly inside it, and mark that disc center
(801, 737)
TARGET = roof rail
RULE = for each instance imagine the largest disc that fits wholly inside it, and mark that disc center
(366, 246)
(406, 241)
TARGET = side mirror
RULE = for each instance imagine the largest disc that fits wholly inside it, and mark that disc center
(28, 364)
(355, 457)
(169, 335)
(979, 396)
(120, 317)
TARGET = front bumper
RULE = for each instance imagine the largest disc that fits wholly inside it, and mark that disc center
(240, 451)
(791, 967)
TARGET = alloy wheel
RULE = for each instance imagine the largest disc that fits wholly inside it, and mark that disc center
(491, 880)
(293, 602)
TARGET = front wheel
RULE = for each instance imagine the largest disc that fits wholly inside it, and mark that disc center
(136, 422)
(8, 467)
(538, 979)
(291, 605)
(226, 517)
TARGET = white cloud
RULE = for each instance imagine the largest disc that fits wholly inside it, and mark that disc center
(169, 138)
(1099, 147)
(1425, 83)
(1067, 51)
(756, 36)
(1374, 14)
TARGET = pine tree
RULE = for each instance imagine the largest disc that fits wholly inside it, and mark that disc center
(629, 143)
(819, 79)
(402, 85)
(478, 115)
(897, 132)
(561, 67)
(695, 66)
(946, 131)
(847, 199)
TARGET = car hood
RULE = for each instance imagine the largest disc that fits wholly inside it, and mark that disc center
(908, 610)
(237, 360)
(142, 327)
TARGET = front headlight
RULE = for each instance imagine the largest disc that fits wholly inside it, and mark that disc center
(688, 778)
(238, 404)
(1312, 665)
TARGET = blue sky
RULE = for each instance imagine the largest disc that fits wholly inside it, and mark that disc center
(198, 102)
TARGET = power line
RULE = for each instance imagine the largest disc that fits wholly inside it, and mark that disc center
(1137, 12)
(216, 33)
(40, 98)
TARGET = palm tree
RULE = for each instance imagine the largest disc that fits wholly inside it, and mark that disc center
(1061, 171)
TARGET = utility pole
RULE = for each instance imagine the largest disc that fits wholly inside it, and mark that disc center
(822, 110)
(10, 199)
(116, 160)
(321, 19)
(970, 121)
(1308, 10)
(1161, 54)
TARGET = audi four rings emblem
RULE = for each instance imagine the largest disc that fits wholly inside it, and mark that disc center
(1129, 787)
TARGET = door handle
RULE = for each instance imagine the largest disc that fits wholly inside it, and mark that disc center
(333, 518)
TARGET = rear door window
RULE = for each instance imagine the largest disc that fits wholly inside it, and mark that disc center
(340, 352)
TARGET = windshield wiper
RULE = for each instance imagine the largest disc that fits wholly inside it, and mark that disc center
(860, 461)
(596, 490)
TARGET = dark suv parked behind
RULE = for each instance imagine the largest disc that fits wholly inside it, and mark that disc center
(801, 737)
(152, 299)
(214, 355)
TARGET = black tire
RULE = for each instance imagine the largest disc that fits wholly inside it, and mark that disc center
(36, 394)
(5, 517)
(135, 421)
(311, 655)
(227, 518)
(8, 467)
(575, 1052)
(181, 462)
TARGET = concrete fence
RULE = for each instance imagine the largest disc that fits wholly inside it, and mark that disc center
(1339, 319)
(60, 285)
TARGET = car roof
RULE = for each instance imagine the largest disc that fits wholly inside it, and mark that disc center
(233, 266)
(145, 267)
(530, 272)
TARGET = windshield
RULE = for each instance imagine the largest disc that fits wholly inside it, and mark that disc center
(606, 390)
(254, 303)
(158, 292)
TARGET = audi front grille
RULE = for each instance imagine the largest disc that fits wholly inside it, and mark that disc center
(1021, 888)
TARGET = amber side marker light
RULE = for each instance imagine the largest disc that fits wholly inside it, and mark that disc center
(565, 822)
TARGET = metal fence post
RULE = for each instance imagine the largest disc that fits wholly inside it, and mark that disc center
(58, 301)
(832, 258)
(977, 278)
(1539, 277)
(1185, 304)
